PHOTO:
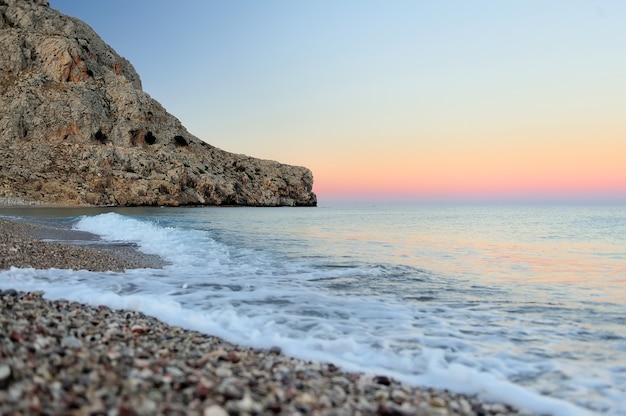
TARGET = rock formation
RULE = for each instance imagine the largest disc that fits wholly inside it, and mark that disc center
(76, 128)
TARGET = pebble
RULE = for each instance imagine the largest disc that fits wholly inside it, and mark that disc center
(71, 342)
(233, 357)
(175, 371)
(384, 380)
(437, 402)
(5, 376)
(215, 410)
(398, 396)
(9, 292)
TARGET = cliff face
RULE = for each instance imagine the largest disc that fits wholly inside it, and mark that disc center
(76, 128)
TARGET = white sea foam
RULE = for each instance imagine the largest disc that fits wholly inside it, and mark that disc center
(262, 329)
(253, 297)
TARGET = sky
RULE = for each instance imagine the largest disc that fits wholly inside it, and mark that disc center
(393, 100)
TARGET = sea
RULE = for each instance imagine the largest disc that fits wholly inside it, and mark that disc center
(521, 304)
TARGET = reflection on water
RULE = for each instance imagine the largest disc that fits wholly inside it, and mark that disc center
(582, 247)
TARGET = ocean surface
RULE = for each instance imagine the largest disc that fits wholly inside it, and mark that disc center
(520, 304)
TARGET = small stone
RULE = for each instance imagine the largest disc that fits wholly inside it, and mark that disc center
(215, 410)
(247, 405)
(384, 380)
(223, 372)
(146, 407)
(16, 336)
(305, 398)
(141, 353)
(275, 350)
(385, 408)
(218, 353)
(138, 329)
(398, 396)
(437, 402)
(464, 406)
(338, 394)
(142, 362)
(10, 292)
(497, 408)
(202, 391)
(233, 357)
(324, 402)
(381, 395)
(71, 342)
(341, 381)
(232, 392)
(175, 371)
(5, 376)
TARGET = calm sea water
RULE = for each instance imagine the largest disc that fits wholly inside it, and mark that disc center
(525, 305)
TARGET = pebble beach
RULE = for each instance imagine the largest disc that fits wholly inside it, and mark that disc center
(60, 357)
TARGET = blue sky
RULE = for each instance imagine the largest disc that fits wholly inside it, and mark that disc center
(416, 98)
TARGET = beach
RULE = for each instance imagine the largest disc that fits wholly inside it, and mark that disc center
(24, 244)
(62, 357)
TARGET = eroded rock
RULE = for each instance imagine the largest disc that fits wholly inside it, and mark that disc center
(76, 128)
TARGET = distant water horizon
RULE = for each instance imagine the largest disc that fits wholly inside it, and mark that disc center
(455, 199)
(519, 303)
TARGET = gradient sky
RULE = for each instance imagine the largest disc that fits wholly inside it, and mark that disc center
(393, 99)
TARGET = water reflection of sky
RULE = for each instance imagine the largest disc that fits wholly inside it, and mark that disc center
(581, 247)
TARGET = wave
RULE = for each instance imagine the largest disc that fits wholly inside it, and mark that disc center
(315, 312)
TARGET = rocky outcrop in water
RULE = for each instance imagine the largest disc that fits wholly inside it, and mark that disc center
(76, 128)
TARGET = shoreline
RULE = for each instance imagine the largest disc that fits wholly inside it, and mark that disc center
(27, 244)
(62, 357)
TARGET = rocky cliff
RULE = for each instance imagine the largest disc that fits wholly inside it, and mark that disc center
(76, 128)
